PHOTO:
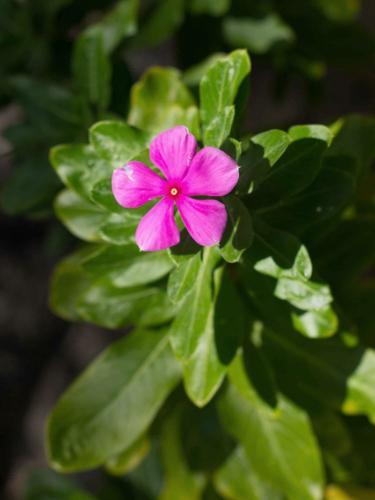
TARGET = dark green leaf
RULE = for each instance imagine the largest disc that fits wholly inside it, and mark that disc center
(238, 234)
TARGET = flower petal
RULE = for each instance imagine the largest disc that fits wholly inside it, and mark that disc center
(204, 219)
(172, 151)
(211, 173)
(136, 184)
(158, 229)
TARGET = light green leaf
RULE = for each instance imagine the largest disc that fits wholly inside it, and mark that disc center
(257, 35)
(238, 234)
(311, 131)
(160, 100)
(237, 479)
(126, 266)
(274, 143)
(81, 217)
(279, 443)
(218, 90)
(193, 75)
(316, 324)
(89, 426)
(180, 481)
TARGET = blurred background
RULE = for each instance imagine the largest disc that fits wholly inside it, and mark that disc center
(313, 61)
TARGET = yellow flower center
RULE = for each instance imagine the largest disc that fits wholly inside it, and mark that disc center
(174, 191)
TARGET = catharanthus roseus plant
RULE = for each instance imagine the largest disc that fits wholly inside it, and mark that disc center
(188, 173)
(248, 353)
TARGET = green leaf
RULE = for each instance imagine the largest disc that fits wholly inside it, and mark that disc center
(237, 479)
(160, 100)
(122, 463)
(72, 164)
(343, 11)
(293, 282)
(92, 68)
(111, 307)
(316, 324)
(320, 132)
(31, 186)
(68, 283)
(121, 22)
(329, 372)
(212, 7)
(238, 234)
(217, 344)
(273, 142)
(218, 90)
(257, 35)
(194, 312)
(279, 443)
(117, 142)
(183, 278)
(193, 75)
(160, 23)
(88, 427)
(119, 229)
(47, 485)
(180, 481)
(81, 217)
(126, 266)
(292, 173)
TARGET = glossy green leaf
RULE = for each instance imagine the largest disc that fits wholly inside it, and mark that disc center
(316, 324)
(218, 90)
(217, 344)
(311, 131)
(237, 479)
(88, 426)
(194, 312)
(279, 443)
(126, 266)
(92, 69)
(180, 481)
(257, 35)
(193, 75)
(119, 229)
(238, 234)
(81, 217)
(117, 142)
(160, 100)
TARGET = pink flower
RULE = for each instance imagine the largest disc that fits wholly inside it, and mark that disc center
(210, 172)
